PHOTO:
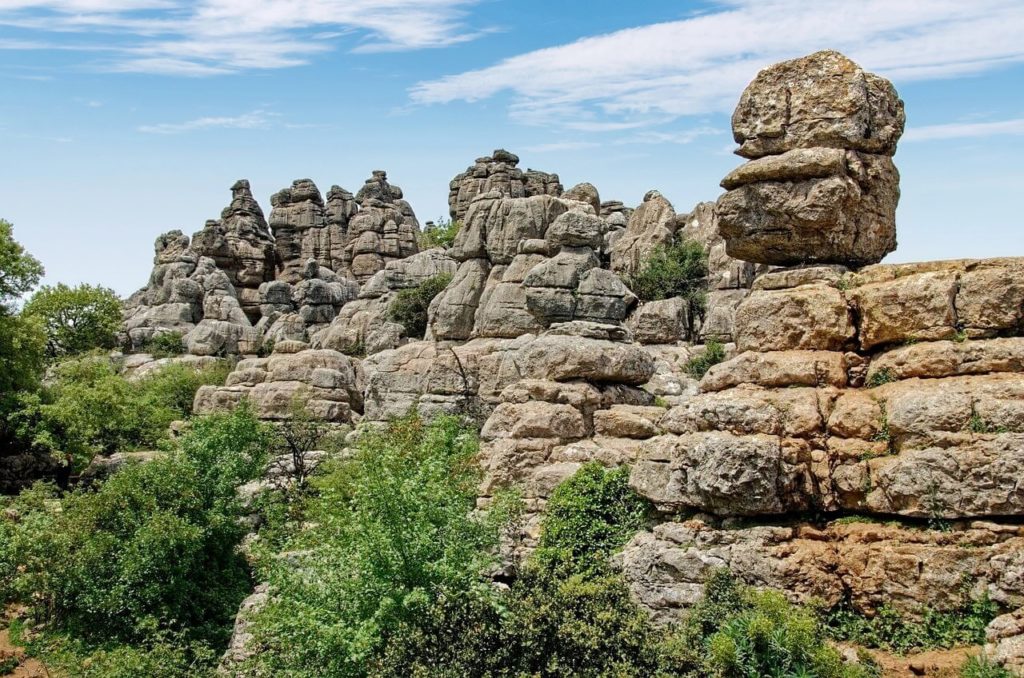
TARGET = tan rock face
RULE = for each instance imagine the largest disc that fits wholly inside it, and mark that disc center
(811, 317)
(821, 186)
(872, 565)
(821, 100)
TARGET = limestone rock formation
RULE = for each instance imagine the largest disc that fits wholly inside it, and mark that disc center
(821, 186)
(498, 172)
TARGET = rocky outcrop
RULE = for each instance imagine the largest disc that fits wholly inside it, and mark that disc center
(820, 186)
(498, 173)
(862, 564)
(327, 383)
(527, 263)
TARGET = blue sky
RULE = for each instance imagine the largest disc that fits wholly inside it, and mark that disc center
(122, 119)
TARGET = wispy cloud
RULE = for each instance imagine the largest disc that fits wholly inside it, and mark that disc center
(960, 130)
(644, 76)
(557, 146)
(211, 37)
(254, 120)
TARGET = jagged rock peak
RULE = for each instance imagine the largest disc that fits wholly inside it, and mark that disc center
(498, 172)
(378, 188)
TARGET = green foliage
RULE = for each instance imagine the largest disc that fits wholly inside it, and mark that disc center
(393, 533)
(980, 666)
(714, 353)
(19, 270)
(22, 358)
(977, 424)
(166, 656)
(737, 631)
(22, 338)
(89, 408)
(679, 270)
(891, 630)
(591, 514)
(439, 234)
(142, 573)
(165, 345)
(409, 307)
(882, 376)
(77, 319)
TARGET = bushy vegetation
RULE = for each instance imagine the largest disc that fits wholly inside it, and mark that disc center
(143, 573)
(980, 667)
(165, 345)
(714, 353)
(897, 632)
(394, 535)
(88, 408)
(439, 234)
(409, 307)
(76, 319)
(678, 270)
(392, 581)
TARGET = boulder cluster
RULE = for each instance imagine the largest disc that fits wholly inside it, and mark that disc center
(846, 388)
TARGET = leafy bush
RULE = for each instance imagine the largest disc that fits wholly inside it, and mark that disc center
(439, 234)
(88, 408)
(77, 319)
(19, 270)
(714, 353)
(679, 270)
(149, 559)
(394, 533)
(591, 514)
(165, 345)
(152, 548)
(891, 630)
(981, 667)
(409, 307)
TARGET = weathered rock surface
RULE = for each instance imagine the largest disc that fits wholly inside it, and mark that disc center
(867, 565)
(821, 185)
(498, 172)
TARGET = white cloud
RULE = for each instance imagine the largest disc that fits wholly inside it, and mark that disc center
(557, 146)
(959, 130)
(646, 75)
(254, 120)
(210, 37)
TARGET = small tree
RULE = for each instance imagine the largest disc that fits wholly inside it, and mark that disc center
(409, 308)
(679, 270)
(19, 270)
(297, 437)
(77, 319)
(439, 234)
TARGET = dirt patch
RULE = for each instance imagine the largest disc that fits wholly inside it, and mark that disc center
(932, 664)
(26, 667)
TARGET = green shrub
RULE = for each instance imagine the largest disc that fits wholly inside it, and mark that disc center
(88, 408)
(591, 514)
(152, 549)
(77, 319)
(439, 234)
(393, 534)
(409, 307)
(679, 270)
(891, 630)
(981, 667)
(143, 573)
(714, 353)
(165, 345)
(740, 631)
